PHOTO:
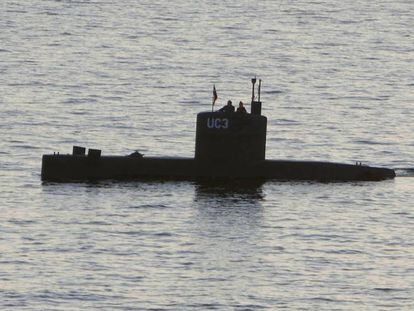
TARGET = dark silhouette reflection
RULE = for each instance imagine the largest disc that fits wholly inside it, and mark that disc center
(250, 190)
(236, 201)
(227, 227)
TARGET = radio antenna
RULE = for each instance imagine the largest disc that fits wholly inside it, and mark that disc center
(260, 84)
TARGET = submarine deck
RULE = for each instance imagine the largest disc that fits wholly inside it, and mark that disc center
(63, 168)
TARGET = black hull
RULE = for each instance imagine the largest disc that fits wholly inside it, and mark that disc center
(63, 168)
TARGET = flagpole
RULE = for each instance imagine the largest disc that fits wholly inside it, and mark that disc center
(214, 98)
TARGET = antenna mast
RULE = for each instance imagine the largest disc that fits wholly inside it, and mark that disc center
(253, 83)
(260, 85)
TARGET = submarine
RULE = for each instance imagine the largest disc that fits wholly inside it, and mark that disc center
(229, 145)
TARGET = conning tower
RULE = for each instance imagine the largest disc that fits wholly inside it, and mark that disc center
(232, 137)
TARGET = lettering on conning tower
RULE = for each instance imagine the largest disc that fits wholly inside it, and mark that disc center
(217, 123)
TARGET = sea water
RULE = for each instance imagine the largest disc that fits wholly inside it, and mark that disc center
(337, 85)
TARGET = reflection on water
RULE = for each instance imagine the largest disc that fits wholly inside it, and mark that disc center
(227, 222)
(239, 202)
(237, 189)
(231, 213)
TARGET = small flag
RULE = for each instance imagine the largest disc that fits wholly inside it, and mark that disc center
(214, 94)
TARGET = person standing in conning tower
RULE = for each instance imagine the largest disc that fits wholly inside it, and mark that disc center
(241, 108)
(228, 108)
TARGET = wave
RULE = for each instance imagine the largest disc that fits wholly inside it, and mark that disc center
(404, 171)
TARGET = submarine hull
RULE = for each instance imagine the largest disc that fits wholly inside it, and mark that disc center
(63, 168)
(228, 145)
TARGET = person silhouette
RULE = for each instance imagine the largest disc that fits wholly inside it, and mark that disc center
(228, 108)
(241, 108)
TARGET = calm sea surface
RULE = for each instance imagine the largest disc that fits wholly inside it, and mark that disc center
(338, 85)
